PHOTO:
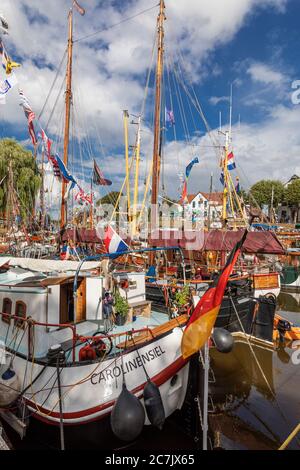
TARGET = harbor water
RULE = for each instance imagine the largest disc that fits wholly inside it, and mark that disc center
(254, 401)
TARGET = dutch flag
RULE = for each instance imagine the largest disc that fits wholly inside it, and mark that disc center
(230, 161)
(113, 242)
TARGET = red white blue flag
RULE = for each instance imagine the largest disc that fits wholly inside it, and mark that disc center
(113, 242)
(230, 161)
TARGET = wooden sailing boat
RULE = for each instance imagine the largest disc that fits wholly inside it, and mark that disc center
(79, 360)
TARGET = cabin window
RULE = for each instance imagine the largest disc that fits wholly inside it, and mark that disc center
(6, 308)
(20, 312)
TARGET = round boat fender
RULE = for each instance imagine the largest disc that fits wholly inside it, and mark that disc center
(128, 416)
(223, 340)
(154, 405)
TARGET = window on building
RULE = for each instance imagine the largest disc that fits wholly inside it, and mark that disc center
(6, 308)
(205, 213)
(194, 205)
(205, 204)
(20, 312)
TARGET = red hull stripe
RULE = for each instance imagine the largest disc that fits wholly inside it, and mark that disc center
(159, 379)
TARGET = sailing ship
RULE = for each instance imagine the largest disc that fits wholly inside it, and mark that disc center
(65, 362)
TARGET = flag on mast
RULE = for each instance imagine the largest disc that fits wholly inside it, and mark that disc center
(29, 115)
(230, 161)
(113, 242)
(169, 116)
(202, 321)
(79, 8)
(98, 177)
(3, 25)
(187, 174)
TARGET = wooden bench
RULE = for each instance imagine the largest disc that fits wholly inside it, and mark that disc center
(139, 309)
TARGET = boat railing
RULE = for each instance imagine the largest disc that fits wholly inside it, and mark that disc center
(31, 323)
(75, 337)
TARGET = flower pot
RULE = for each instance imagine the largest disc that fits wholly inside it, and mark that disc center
(120, 319)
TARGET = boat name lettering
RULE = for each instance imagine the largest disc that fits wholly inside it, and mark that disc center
(127, 366)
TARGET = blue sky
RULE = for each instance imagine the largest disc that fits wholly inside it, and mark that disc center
(252, 44)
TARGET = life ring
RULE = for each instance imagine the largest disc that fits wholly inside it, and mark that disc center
(97, 348)
(124, 284)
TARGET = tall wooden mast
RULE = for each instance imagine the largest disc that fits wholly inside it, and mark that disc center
(157, 123)
(68, 100)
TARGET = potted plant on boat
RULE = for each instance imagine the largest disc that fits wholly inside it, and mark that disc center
(121, 308)
(182, 299)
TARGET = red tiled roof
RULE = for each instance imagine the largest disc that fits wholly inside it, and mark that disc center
(214, 197)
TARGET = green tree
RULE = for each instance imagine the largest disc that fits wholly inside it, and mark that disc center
(26, 177)
(292, 193)
(292, 198)
(110, 198)
(261, 192)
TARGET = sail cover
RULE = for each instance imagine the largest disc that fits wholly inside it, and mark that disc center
(218, 240)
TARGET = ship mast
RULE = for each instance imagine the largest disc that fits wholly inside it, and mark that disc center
(157, 123)
(68, 100)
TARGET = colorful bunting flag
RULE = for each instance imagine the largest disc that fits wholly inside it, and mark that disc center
(6, 86)
(82, 198)
(201, 323)
(29, 115)
(3, 25)
(47, 144)
(169, 116)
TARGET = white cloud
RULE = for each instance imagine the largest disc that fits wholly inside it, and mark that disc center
(110, 68)
(263, 73)
(214, 100)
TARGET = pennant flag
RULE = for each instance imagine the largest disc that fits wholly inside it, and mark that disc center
(201, 323)
(184, 192)
(3, 25)
(169, 116)
(66, 176)
(79, 8)
(29, 115)
(55, 166)
(113, 242)
(187, 174)
(98, 177)
(237, 185)
(83, 198)
(47, 144)
(7, 63)
(230, 161)
(7, 85)
(222, 179)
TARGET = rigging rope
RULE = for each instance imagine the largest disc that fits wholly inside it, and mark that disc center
(115, 24)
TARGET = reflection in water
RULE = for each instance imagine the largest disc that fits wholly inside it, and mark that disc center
(255, 410)
(289, 302)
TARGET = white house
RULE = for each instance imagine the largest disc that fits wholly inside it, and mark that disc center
(205, 207)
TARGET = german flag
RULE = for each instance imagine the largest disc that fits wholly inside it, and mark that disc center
(202, 321)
